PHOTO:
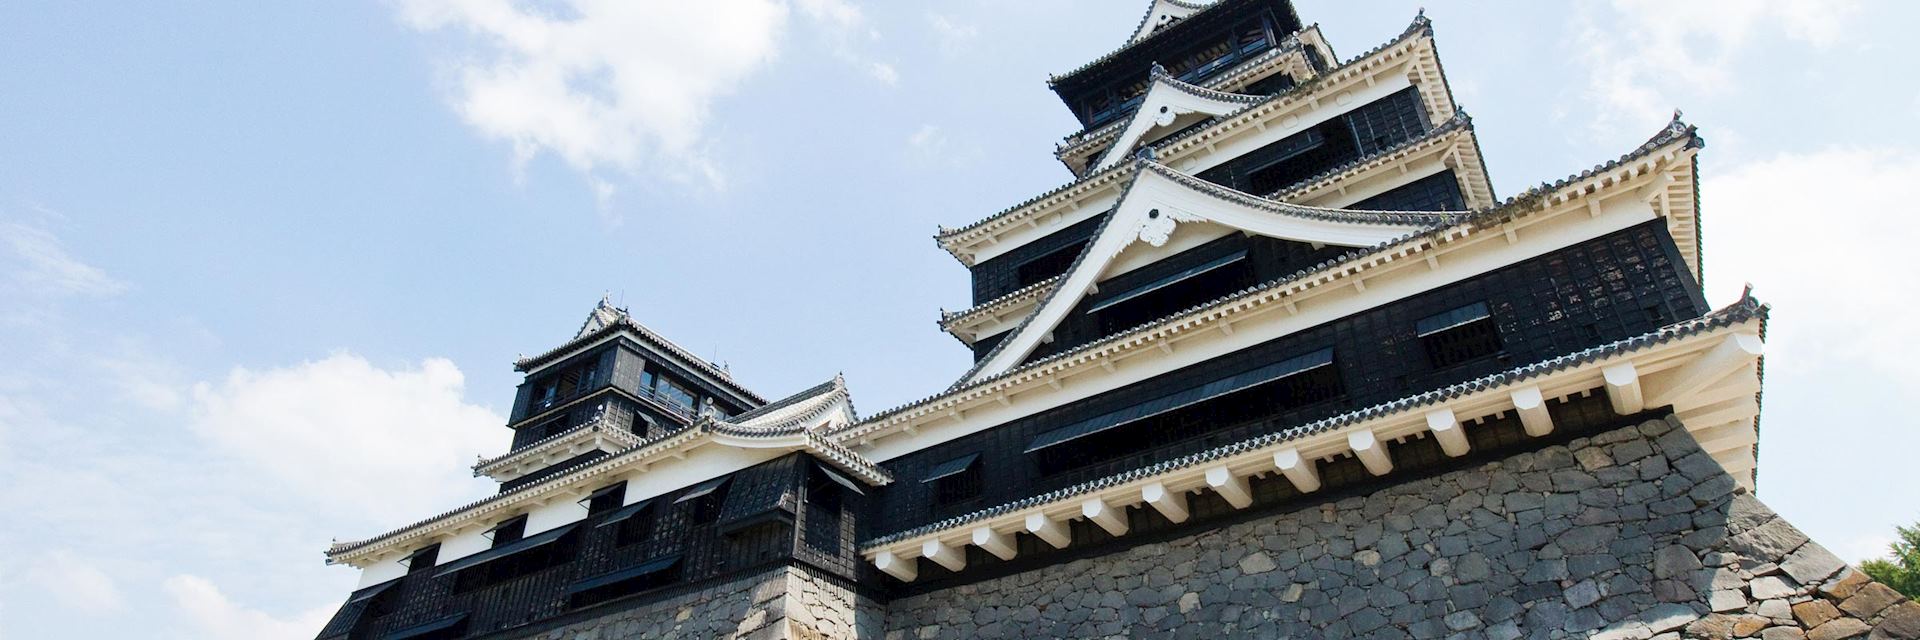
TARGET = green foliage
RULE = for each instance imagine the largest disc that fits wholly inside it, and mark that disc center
(1902, 571)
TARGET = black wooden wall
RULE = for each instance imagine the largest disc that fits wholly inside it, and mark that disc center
(1621, 285)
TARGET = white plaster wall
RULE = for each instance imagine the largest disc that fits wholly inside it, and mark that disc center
(561, 511)
(380, 571)
(705, 463)
(467, 542)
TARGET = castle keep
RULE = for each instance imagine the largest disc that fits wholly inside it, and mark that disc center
(1276, 362)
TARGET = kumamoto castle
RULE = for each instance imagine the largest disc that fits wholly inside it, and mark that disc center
(1278, 361)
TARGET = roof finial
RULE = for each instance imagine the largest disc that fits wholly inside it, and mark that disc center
(1158, 71)
(1676, 114)
(1145, 154)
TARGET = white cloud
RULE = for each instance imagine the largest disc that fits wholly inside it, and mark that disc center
(953, 37)
(885, 73)
(838, 15)
(845, 26)
(36, 262)
(928, 141)
(604, 84)
(76, 583)
(344, 432)
(1643, 56)
(217, 618)
(619, 86)
(932, 145)
(1807, 229)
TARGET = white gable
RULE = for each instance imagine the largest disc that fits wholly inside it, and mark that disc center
(1158, 201)
(1166, 101)
(1162, 13)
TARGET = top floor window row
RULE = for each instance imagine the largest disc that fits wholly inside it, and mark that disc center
(569, 383)
(1192, 66)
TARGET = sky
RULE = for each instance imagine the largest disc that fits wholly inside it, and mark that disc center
(264, 266)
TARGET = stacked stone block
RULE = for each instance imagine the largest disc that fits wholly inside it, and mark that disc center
(1633, 533)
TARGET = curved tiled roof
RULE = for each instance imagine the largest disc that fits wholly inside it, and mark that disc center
(1459, 122)
(1676, 131)
(1054, 79)
(1141, 28)
(816, 401)
(1738, 313)
(597, 423)
(1091, 135)
(1425, 219)
(1419, 27)
(622, 320)
(791, 414)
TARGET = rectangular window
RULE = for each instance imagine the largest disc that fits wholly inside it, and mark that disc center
(1139, 430)
(509, 532)
(703, 500)
(1161, 298)
(1253, 37)
(674, 392)
(1459, 336)
(633, 523)
(606, 498)
(1046, 266)
(826, 497)
(423, 558)
(508, 561)
(956, 480)
(647, 576)
(545, 394)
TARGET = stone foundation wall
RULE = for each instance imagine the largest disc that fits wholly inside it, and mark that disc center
(785, 603)
(1634, 533)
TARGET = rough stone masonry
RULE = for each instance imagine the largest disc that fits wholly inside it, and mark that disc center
(1631, 534)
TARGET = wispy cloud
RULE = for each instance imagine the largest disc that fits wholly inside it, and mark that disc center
(850, 35)
(35, 261)
(348, 434)
(928, 141)
(604, 85)
(1824, 319)
(79, 584)
(619, 88)
(1644, 56)
(933, 145)
(952, 36)
(218, 618)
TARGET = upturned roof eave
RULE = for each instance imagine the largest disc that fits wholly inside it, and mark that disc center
(633, 327)
(705, 432)
(1742, 312)
(1676, 134)
(952, 240)
(951, 322)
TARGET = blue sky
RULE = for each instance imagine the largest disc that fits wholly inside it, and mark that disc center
(263, 267)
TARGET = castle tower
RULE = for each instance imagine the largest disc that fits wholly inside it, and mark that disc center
(1275, 362)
